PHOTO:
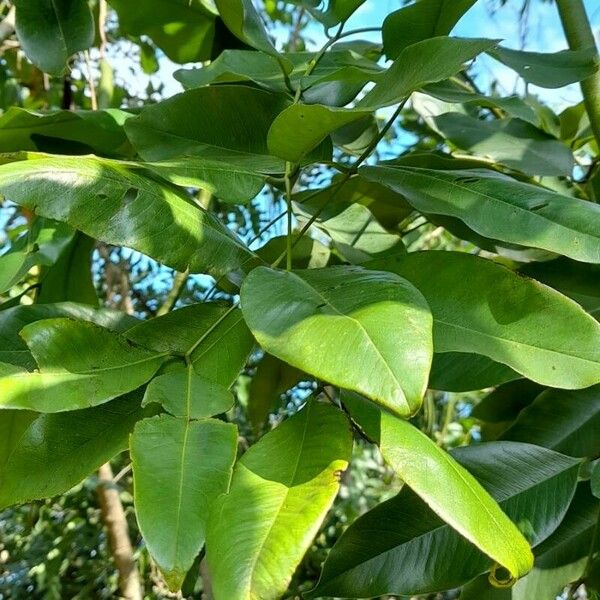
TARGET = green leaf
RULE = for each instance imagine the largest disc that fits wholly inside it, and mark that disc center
(51, 31)
(243, 20)
(500, 208)
(465, 372)
(562, 558)
(180, 233)
(507, 401)
(367, 331)
(185, 394)
(376, 554)
(273, 378)
(180, 467)
(337, 11)
(502, 315)
(49, 454)
(567, 422)
(595, 482)
(512, 142)
(219, 132)
(444, 485)
(228, 182)
(581, 282)
(281, 491)
(300, 127)
(81, 365)
(65, 131)
(549, 70)
(14, 350)
(425, 62)
(214, 336)
(419, 21)
(183, 29)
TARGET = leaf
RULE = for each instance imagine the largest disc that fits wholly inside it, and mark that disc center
(228, 182)
(337, 11)
(358, 237)
(367, 331)
(51, 31)
(500, 208)
(185, 394)
(243, 20)
(52, 453)
(183, 29)
(12, 320)
(549, 70)
(465, 372)
(562, 558)
(567, 422)
(506, 317)
(219, 132)
(180, 467)
(444, 485)
(512, 142)
(272, 379)
(507, 401)
(214, 335)
(81, 365)
(300, 127)
(65, 131)
(376, 554)
(419, 21)
(281, 490)
(581, 282)
(425, 62)
(180, 233)
(595, 481)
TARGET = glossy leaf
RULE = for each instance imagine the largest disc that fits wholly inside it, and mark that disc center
(513, 320)
(215, 337)
(367, 331)
(51, 31)
(228, 182)
(180, 233)
(13, 348)
(281, 491)
(81, 365)
(549, 70)
(381, 552)
(511, 142)
(185, 394)
(52, 453)
(242, 19)
(498, 207)
(65, 131)
(444, 485)
(180, 467)
(419, 21)
(595, 481)
(567, 422)
(465, 372)
(183, 29)
(219, 132)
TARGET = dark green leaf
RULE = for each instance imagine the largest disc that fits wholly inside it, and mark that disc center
(502, 315)
(52, 453)
(51, 31)
(376, 555)
(367, 331)
(500, 208)
(419, 21)
(567, 422)
(281, 491)
(549, 70)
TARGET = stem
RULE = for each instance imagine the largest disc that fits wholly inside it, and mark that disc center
(578, 32)
(179, 281)
(117, 531)
(288, 200)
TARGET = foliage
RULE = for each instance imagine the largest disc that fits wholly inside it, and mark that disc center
(257, 391)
